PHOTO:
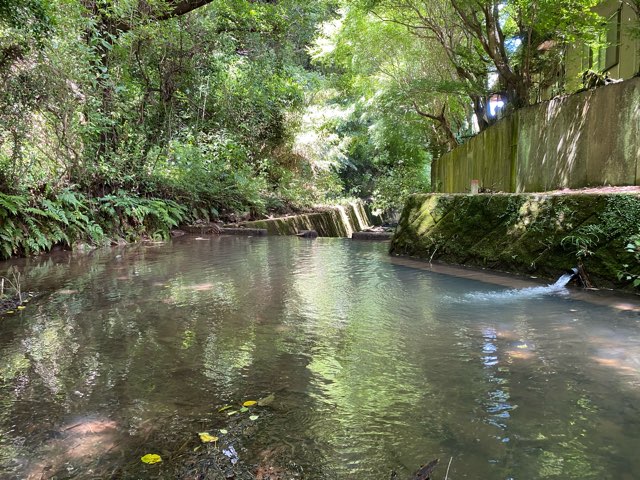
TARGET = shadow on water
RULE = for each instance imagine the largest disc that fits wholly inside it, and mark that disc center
(370, 366)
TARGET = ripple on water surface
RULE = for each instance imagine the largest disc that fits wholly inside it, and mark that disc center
(371, 366)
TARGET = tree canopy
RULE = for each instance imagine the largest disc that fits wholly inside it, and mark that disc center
(262, 106)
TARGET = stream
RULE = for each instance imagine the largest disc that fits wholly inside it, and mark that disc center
(363, 366)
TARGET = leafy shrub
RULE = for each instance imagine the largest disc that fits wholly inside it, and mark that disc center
(632, 247)
(29, 225)
(131, 217)
(210, 173)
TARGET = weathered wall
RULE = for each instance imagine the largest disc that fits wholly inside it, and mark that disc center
(588, 139)
(339, 221)
(533, 233)
(577, 58)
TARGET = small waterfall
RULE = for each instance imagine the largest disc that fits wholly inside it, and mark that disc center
(566, 278)
(516, 294)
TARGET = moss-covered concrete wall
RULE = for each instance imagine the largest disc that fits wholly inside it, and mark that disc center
(338, 221)
(539, 234)
(588, 139)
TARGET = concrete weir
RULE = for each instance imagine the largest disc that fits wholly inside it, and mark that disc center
(538, 233)
(337, 221)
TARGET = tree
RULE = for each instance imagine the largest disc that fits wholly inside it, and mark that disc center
(192, 101)
(24, 24)
(510, 39)
(379, 146)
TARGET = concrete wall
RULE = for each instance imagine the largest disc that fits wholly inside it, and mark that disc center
(541, 234)
(587, 139)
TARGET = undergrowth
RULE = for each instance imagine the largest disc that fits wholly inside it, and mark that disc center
(34, 224)
(617, 222)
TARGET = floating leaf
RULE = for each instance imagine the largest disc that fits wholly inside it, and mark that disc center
(223, 431)
(253, 417)
(207, 438)
(9, 311)
(226, 407)
(233, 412)
(524, 345)
(244, 409)
(151, 458)
(21, 307)
(249, 403)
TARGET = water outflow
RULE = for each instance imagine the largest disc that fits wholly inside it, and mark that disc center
(565, 279)
(515, 294)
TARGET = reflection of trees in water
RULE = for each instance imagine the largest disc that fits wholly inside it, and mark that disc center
(132, 336)
(366, 361)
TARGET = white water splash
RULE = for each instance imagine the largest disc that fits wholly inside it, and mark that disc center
(515, 294)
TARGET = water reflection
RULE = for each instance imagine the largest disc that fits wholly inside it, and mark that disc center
(497, 403)
(373, 366)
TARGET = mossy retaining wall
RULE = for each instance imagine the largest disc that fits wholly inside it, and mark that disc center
(542, 234)
(338, 221)
(587, 139)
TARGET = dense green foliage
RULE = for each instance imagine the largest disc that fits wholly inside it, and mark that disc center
(237, 108)
(443, 60)
(412, 79)
(196, 107)
(33, 225)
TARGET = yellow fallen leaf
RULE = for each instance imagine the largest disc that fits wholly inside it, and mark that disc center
(151, 458)
(21, 307)
(249, 403)
(524, 345)
(9, 311)
(207, 438)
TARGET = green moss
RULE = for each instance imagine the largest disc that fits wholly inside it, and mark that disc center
(533, 233)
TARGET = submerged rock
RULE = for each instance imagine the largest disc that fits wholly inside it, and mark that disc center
(375, 235)
(307, 234)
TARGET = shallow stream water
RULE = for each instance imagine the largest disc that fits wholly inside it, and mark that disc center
(374, 365)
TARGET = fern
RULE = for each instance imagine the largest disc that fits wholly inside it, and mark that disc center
(55, 211)
(72, 199)
(11, 204)
(30, 226)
